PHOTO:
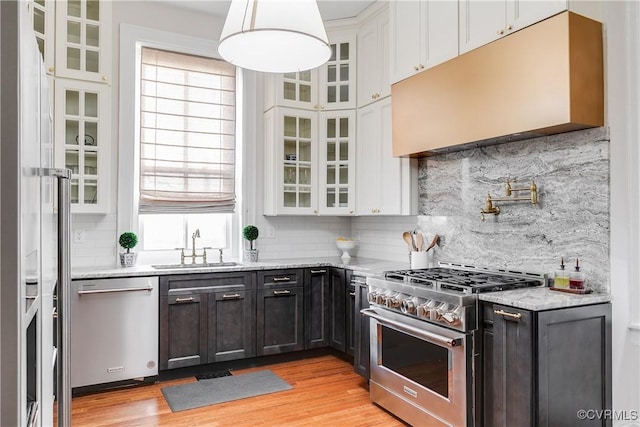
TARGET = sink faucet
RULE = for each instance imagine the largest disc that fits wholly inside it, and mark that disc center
(194, 255)
(195, 235)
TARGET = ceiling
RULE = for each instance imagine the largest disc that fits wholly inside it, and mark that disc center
(329, 9)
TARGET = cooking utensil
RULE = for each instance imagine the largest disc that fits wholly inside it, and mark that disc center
(407, 238)
(419, 241)
(434, 242)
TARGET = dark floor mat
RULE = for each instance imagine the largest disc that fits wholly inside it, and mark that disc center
(216, 374)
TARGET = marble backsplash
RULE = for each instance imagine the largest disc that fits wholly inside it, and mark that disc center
(571, 219)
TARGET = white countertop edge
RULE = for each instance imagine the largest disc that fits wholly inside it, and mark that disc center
(542, 298)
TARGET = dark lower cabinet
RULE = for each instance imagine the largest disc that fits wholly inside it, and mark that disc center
(337, 291)
(217, 317)
(205, 318)
(541, 368)
(279, 308)
(361, 327)
(230, 326)
(183, 330)
(316, 308)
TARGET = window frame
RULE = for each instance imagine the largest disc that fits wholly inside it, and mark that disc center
(132, 38)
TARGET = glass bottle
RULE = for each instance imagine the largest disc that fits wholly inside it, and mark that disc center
(561, 277)
(577, 278)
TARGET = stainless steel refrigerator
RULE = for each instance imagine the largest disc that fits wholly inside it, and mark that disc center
(34, 236)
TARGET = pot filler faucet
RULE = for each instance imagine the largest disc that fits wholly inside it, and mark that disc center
(194, 256)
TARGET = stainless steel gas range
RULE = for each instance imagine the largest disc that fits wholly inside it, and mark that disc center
(426, 342)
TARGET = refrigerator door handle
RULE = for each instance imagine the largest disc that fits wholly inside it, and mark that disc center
(56, 173)
(63, 293)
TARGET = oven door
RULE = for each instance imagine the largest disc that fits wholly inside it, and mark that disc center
(420, 372)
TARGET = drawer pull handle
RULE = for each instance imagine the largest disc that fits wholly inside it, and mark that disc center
(232, 296)
(285, 292)
(190, 299)
(281, 279)
(318, 271)
(352, 294)
(516, 316)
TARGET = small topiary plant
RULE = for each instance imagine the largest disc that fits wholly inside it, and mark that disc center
(250, 232)
(128, 240)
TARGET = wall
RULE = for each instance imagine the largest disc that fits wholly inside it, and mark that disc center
(571, 219)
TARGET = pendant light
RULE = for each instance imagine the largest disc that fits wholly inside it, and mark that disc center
(276, 36)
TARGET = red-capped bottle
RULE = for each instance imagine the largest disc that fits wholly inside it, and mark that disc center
(577, 278)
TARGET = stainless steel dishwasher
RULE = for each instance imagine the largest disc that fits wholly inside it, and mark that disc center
(114, 330)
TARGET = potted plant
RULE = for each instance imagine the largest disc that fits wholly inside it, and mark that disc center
(128, 240)
(250, 233)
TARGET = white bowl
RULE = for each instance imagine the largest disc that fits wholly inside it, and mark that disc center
(345, 246)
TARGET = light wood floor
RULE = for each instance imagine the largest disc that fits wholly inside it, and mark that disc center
(326, 392)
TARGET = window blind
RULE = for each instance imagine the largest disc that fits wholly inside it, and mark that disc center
(187, 133)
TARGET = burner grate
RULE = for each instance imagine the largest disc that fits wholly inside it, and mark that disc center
(465, 281)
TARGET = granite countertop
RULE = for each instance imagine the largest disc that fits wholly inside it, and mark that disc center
(364, 266)
(535, 299)
(542, 298)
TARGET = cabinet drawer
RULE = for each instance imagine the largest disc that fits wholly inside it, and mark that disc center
(206, 282)
(278, 278)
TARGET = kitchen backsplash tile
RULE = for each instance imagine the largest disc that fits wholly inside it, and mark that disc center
(571, 219)
(295, 237)
(381, 237)
(99, 248)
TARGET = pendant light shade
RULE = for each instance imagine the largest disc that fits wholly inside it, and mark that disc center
(276, 36)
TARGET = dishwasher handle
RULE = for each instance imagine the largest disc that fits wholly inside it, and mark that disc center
(109, 291)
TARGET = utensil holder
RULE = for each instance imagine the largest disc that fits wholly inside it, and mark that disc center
(421, 259)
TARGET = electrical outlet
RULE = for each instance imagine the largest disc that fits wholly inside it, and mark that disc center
(78, 236)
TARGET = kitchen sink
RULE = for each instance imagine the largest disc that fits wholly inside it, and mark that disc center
(191, 266)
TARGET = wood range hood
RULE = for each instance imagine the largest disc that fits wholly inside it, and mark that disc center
(542, 80)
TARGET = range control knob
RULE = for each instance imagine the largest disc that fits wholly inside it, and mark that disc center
(408, 306)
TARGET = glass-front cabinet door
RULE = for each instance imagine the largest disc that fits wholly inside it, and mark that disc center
(82, 142)
(298, 140)
(337, 162)
(83, 39)
(338, 75)
(43, 18)
(291, 162)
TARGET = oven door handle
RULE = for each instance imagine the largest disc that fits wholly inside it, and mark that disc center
(426, 335)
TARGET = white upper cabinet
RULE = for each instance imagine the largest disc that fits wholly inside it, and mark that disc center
(43, 19)
(310, 162)
(483, 21)
(424, 33)
(291, 168)
(83, 40)
(338, 75)
(337, 152)
(82, 129)
(385, 185)
(373, 59)
(331, 86)
(297, 90)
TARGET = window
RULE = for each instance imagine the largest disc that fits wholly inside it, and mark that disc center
(187, 150)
